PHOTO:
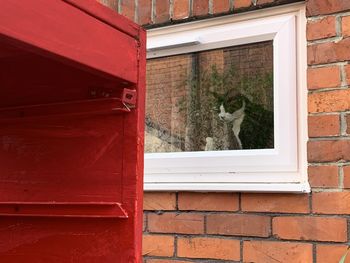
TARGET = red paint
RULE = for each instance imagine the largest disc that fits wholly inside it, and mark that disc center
(72, 79)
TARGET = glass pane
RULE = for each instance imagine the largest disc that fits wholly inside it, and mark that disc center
(209, 101)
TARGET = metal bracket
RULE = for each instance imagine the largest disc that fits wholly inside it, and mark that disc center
(129, 98)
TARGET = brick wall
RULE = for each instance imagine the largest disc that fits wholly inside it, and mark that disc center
(266, 228)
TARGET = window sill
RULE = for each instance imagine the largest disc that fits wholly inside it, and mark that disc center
(302, 187)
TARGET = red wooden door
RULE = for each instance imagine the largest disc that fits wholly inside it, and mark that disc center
(71, 133)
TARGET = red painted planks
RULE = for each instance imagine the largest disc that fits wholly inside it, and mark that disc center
(67, 32)
(71, 165)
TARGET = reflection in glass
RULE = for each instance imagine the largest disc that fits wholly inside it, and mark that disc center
(209, 101)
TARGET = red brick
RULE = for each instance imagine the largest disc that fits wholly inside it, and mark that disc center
(269, 251)
(331, 203)
(346, 170)
(330, 253)
(165, 261)
(242, 3)
(128, 8)
(346, 26)
(112, 4)
(181, 9)
(208, 201)
(238, 225)
(322, 28)
(347, 118)
(330, 101)
(329, 151)
(320, 78)
(310, 228)
(323, 7)
(200, 7)
(325, 125)
(145, 12)
(262, 2)
(323, 176)
(176, 223)
(162, 13)
(221, 6)
(159, 201)
(329, 52)
(275, 203)
(158, 245)
(209, 248)
(347, 71)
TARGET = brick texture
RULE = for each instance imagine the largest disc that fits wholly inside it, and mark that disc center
(330, 101)
(322, 28)
(162, 13)
(331, 203)
(329, 151)
(221, 6)
(324, 125)
(159, 201)
(211, 248)
(268, 252)
(208, 201)
(181, 9)
(347, 118)
(128, 8)
(145, 12)
(327, 77)
(242, 3)
(347, 72)
(346, 174)
(158, 245)
(310, 228)
(323, 7)
(330, 253)
(323, 176)
(238, 225)
(329, 52)
(278, 203)
(164, 261)
(112, 4)
(261, 2)
(176, 223)
(200, 7)
(346, 26)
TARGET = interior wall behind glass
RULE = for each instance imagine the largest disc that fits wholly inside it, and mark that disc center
(213, 100)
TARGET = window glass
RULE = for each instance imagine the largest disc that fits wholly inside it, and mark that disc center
(212, 100)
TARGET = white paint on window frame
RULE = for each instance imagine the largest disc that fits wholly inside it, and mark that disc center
(282, 169)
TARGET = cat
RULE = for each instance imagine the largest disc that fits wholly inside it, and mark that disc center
(236, 118)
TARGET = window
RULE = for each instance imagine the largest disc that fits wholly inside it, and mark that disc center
(225, 106)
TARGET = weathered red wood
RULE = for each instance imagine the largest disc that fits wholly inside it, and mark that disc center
(62, 158)
(72, 80)
(58, 240)
(65, 31)
(83, 107)
(59, 209)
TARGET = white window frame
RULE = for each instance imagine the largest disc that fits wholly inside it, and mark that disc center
(282, 169)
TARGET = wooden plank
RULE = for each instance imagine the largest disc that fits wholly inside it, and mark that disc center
(59, 209)
(62, 30)
(71, 108)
